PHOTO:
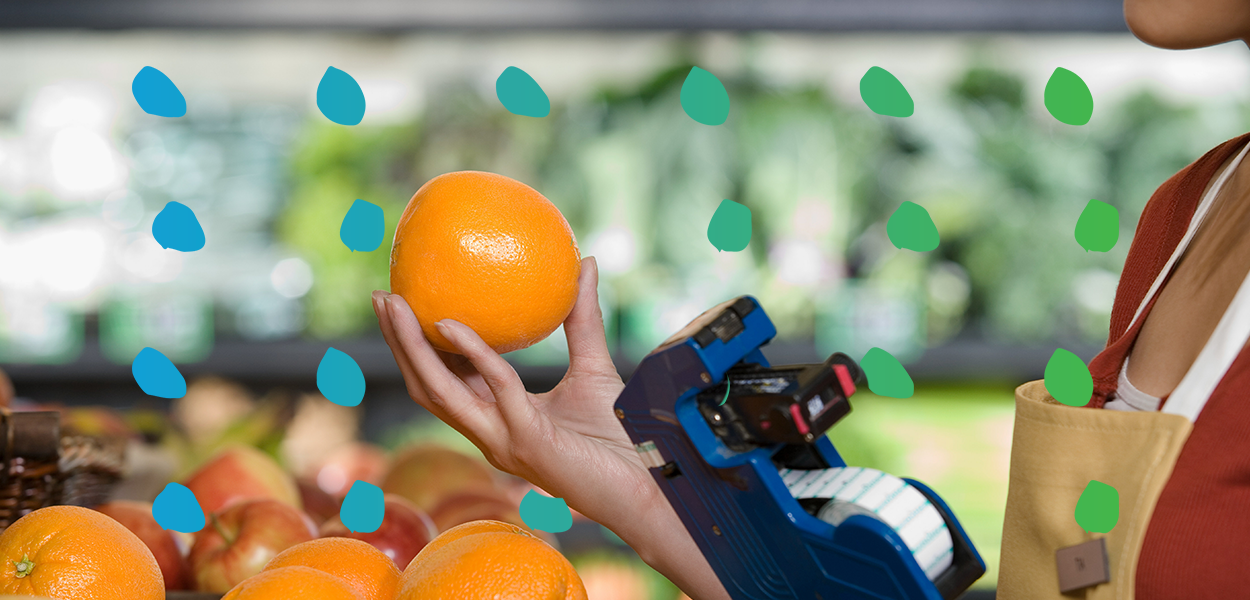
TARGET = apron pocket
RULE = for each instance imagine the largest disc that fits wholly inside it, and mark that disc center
(1056, 451)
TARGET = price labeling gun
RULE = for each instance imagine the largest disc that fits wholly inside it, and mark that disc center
(740, 451)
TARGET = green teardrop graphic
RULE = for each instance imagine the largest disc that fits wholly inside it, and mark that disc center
(884, 94)
(1098, 228)
(704, 98)
(1068, 98)
(1098, 509)
(730, 228)
(911, 228)
(886, 376)
(1068, 379)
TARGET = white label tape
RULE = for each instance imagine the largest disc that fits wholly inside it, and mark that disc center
(887, 497)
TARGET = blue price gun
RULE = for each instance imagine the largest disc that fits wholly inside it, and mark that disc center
(739, 449)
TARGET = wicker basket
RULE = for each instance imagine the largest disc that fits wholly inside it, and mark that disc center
(41, 468)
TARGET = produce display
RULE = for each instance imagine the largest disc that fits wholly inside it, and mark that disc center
(258, 499)
(261, 543)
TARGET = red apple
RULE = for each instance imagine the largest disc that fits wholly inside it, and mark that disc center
(405, 530)
(353, 462)
(240, 473)
(478, 505)
(240, 540)
(474, 505)
(318, 504)
(426, 473)
(137, 517)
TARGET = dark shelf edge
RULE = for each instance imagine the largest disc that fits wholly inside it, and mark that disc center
(1101, 16)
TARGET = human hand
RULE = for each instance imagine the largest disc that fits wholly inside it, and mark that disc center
(567, 441)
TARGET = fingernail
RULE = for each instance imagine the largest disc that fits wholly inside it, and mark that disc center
(442, 329)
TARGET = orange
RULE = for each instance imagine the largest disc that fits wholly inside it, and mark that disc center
(370, 572)
(489, 252)
(484, 560)
(292, 583)
(75, 553)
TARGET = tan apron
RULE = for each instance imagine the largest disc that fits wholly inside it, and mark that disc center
(1057, 450)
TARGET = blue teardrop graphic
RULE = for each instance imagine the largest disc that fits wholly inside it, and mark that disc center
(176, 228)
(545, 514)
(363, 508)
(363, 227)
(157, 375)
(157, 94)
(339, 378)
(521, 95)
(339, 97)
(177, 509)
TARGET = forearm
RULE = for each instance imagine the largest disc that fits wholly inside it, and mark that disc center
(661, 539)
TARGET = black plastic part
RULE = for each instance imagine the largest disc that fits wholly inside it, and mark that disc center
(727, 325)
(965, 569)
(743, 307)
(800, 457)
(670, 470)
(704, 337)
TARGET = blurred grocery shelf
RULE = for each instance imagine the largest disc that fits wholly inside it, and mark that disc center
(812, 15)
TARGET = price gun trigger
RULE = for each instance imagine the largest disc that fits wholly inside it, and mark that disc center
(739, 449)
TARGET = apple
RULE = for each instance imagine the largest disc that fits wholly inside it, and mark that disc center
(239, 473)
(137, 517)
(483, 505)
(318, 504)
(356, 461)
(405, 530)
(426, 473)
(242, 538)
(474, 505)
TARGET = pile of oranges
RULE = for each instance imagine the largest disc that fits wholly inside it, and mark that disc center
(71, 553)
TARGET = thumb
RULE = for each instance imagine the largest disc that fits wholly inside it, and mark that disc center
(588, 346)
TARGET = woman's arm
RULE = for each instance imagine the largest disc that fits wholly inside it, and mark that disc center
(567, 441)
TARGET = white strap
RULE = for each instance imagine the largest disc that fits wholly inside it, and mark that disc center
(1230, 335)
(1226, 342)
(1199, 215)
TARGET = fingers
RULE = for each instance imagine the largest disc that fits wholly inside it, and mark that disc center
(415, 389)
(455, 400)
(588, 346)
(510, 395)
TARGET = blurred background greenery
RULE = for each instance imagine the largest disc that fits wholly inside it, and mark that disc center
(83, 172)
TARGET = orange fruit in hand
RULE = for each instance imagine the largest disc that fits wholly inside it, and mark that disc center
(484, 560)
(489, 252)
(293, 583)
(368, 570)
(75, 553)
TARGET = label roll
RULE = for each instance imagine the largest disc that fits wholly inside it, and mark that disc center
(857, 490)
